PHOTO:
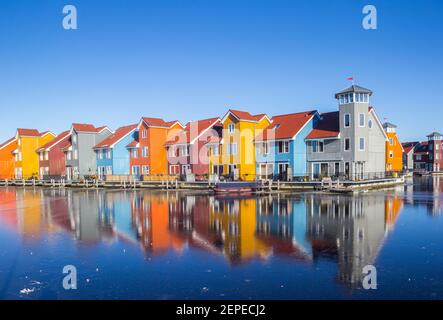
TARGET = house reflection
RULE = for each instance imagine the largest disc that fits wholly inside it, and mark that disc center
(427, 192)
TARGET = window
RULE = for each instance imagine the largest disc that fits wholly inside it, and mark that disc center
(231, 128)
(342, 99)
(171, 152)
(362, 119)
(215, 150)
(370, 124)
(418, 157)
(184, 151)
(232, 148)
(108, 154)
(74, 139)
(69, 155)
(41, 156)
(145, 170)
(317, 146)
(265, 148)
(135, 154)
(351, 97)
(144, 133)
(347, 144)
(108, 171)
(100, 154)
(145, 152)
(75, 154)
(391, 141)
(347, 120)
(391, 154)
(46, 155)
(362, 144)
(283, 146)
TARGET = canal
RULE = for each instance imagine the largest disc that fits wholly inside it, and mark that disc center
(178, 245)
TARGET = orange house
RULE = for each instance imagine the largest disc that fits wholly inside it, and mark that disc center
(394, 149)
(147, 151)
(7, 158)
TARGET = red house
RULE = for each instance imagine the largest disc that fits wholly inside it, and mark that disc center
(428, 155)
(52, 157)
(187, 150)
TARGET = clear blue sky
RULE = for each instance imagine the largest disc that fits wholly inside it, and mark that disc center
(194, 59)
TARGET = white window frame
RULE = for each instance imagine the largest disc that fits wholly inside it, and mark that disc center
(145, 152)
(360, 120)
(231, 149)
(283, 150)
(145, 170)
(364, 143)
(134, 153)
(231, 128)
(344, 144)
(344, 120)
(108, 154)
(144, 133)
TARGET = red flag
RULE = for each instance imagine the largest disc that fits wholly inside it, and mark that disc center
(350, 78)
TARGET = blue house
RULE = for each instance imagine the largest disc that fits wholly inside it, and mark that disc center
(112, 154)
(281, 147)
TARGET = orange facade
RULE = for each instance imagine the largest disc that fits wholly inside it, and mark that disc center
(394, 153)
(7, 159)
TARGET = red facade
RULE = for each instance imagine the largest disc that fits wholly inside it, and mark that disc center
(52, 157)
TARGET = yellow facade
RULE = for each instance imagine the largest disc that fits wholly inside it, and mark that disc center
(237, 149)
(26, 157)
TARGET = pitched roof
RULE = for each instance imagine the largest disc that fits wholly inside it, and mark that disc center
(327, 127)
(28, 132)
(133, 144)
(84, 127)
(155, 122)
(244, 115)
(286, 126)
(433, 134)
(389, 125)
(408, 146)
(62, 136)
(119, 134)
(192, 131)
(7, 142)
(353, 88)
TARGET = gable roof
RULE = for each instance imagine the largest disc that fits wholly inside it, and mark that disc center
(286, 126)
(327, 127)
(409, 146)
(7, 142)
(244, 116)
(377, 119)
(353, 88)
(28, 132)
(155, 122)
(389, 125)
(62, 136)
(118, 135)
(192, 131)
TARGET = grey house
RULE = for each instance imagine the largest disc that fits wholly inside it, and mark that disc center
(349, 143)
(80, 155)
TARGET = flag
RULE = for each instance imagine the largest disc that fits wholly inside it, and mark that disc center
(350, 78)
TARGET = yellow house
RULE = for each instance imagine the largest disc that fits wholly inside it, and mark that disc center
(25, 156)
(234, 156)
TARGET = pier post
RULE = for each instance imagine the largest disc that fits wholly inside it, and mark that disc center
(24, 183)
(86, 183)
(6, 181)
(176, 184)
(278, 184)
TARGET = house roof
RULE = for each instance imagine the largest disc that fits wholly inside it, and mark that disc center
(389, 125)
(286, 126)
(62, 136)
(244, 115)
(433, 134)
(409, 146)
(353, 88)
(192, 131)
(327, 127)
(133, 144)
(7, 142)
(114, 138)
(156, 122)
(28, 132)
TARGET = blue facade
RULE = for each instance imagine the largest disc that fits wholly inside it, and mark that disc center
(115, 160)
(295, 157)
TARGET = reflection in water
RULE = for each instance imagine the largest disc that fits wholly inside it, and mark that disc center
(303, 228)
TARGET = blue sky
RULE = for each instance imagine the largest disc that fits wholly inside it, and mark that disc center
(192, 59)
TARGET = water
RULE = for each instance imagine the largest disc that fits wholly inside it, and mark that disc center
(168, 245)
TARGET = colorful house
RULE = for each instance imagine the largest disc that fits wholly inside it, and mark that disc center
(187, 150)
(281, 148)
(26, 157)
(7, 158)
(428, 155)
(408, 154)
(350, 143)
(147, 150)
(80, 156)
(112, 154)
(394, 149)
(237, 147)
(52, 158)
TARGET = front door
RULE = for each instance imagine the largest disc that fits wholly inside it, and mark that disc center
(283, 171)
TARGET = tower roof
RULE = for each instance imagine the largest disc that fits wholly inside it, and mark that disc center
(389, 125)
(353, 88)
(433, 134)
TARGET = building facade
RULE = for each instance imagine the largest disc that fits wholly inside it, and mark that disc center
(147, 151)
(428, 155)
(80, 156)
(112, 154)
(187, 150)
(7, 159)
(350, 143)
(408, 154)
(394, 149)
(26, 162)
(281, 148)
(52, 160)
